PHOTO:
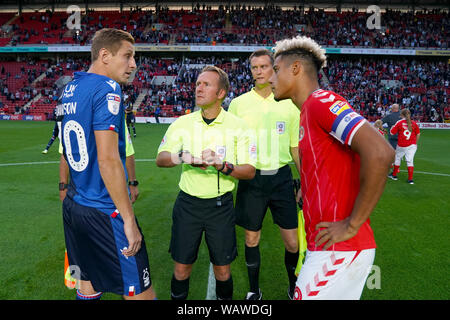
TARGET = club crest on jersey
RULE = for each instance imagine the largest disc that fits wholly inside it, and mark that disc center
(113, 103)
(146, 277)
(301, 134)
(281, 127)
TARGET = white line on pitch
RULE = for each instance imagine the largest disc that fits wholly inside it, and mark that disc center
(152, 160)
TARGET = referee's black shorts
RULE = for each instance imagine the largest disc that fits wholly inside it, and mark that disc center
(274, 191)
(191, 217)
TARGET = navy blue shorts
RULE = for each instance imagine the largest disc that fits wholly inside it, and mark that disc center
(94, 241)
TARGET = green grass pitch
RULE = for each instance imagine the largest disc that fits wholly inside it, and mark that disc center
(411, 223)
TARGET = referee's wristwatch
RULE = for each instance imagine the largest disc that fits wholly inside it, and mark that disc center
(63, 186)
(133, 183)
(229, 168)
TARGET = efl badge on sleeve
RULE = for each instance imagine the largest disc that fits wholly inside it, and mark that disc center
(281, 127)
(113, 103)
(221, 152)
(252, 150)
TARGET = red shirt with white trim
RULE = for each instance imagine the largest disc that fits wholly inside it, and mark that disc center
(329, 168)
(405, 137)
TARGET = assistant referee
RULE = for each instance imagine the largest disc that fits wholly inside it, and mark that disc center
(276, 130)
(214, 151)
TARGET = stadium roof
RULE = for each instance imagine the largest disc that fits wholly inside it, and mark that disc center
(42, 4)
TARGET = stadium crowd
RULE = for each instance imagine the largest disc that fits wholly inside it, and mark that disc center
(370, 84)
(239, 24)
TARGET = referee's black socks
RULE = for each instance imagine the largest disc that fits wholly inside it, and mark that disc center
(290, 261)
(253, 261)
(179, 289)
(224, 289)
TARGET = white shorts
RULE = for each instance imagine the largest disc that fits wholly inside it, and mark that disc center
(334, 275)
(407, 152)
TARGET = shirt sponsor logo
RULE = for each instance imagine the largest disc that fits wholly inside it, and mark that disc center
(69, 90)
(113, 103)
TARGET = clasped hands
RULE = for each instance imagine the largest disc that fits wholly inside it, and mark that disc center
(208, 158)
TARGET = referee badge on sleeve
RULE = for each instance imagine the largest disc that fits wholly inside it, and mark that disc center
(281, 127)
(252, 150)
(221, 152)
(113, 103)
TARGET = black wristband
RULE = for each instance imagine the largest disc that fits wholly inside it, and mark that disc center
(134, 183)
(62, 186)
(229, 167)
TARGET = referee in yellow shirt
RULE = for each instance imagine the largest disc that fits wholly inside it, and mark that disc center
(214, 151)
(276, 132)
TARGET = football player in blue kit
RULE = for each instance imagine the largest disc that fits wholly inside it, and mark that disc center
(102, 235)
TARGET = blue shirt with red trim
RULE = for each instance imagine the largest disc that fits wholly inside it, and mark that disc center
(90, 102)
(330, 168)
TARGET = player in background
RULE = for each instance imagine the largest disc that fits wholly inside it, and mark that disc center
(379, 125)
(344, 164)
(131, 118)
(102, 234)
(408, 135)
(56, 129)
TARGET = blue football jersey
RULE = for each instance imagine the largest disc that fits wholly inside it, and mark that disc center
(90, 102)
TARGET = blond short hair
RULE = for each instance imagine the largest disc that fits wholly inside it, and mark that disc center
(304, 48)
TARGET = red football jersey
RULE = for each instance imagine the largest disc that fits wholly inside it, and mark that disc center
(329, 168)
(405, 137)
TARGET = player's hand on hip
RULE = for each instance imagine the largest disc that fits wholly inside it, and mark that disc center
(134, 238)
(333, 232)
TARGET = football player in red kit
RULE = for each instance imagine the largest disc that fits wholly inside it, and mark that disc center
(344, 164)
(408, 136)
